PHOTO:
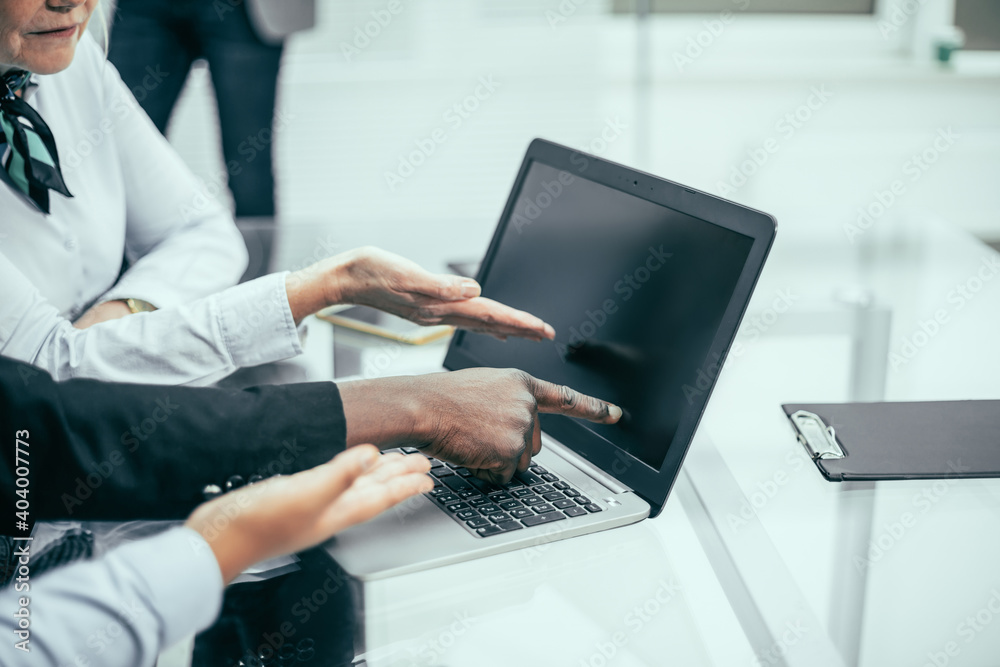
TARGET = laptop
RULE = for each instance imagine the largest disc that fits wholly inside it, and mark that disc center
(645, 282)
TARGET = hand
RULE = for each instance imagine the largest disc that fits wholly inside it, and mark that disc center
(485, 419)
(372, 277)
(283, 515)
(102, 312)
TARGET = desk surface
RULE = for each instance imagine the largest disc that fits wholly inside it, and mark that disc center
(756, 559)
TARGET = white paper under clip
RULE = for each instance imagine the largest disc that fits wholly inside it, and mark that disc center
(817, 437)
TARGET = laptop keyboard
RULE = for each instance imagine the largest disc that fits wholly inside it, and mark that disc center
(532, 498)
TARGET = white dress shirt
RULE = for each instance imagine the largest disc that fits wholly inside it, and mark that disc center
(119, 610)
(132, 196)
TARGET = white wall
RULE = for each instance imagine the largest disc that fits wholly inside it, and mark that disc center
(351, 118)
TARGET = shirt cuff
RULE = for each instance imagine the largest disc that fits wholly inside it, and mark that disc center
(256, 322)
(183, 578)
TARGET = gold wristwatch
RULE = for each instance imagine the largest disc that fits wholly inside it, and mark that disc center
(139, 306)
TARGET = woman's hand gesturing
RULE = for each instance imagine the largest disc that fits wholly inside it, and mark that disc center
(373, 277)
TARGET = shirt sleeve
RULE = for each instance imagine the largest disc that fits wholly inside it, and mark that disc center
(123, 609)
(181, 243)
(196, 343)
(118, 452)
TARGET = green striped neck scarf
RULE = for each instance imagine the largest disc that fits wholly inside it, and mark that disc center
(32, 165)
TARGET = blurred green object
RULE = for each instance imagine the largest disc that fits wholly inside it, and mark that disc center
(948, 41)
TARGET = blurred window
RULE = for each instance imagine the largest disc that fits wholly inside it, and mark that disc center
(980, 19)
(754, 6)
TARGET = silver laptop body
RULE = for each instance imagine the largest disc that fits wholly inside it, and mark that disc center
(625, 482)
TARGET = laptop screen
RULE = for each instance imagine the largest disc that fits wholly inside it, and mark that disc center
(636, 293)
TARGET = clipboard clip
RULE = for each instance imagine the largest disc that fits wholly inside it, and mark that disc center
(816, 436)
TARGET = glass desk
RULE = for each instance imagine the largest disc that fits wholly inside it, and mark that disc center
(756, 559)
(889, 573)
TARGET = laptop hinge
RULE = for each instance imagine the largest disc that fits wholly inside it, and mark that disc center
(577, 461)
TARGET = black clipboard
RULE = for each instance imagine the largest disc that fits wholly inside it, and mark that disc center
(901, 440)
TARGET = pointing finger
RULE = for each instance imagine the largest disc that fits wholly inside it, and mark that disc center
(559, 399)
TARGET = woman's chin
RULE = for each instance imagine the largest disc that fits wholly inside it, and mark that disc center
(50, 61)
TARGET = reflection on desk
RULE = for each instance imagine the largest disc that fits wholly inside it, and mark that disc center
(303, 617)
(605, 598)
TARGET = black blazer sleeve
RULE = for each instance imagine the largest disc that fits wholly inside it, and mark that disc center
(98, 450)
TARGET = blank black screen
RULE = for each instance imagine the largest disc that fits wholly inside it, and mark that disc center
(635, 291)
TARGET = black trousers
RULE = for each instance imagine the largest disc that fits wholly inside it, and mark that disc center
(306, 618)
(153, 45)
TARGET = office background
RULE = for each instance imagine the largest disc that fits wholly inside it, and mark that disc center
(810, 116)
(689, 96)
